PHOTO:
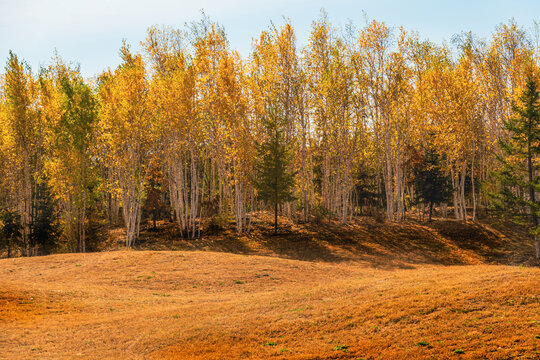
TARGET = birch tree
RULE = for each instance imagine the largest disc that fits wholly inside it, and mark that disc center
(69, 109)
(129, 134)
(22, 142)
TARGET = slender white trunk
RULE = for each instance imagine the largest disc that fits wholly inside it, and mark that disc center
(473, 190)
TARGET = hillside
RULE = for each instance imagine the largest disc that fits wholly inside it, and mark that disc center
(379, 244)
(370, 290)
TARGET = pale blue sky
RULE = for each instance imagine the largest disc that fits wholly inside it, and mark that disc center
(90, 32)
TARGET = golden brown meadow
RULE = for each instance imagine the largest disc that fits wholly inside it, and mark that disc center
(369, 290)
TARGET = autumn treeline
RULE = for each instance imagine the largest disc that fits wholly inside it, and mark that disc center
(178, 127)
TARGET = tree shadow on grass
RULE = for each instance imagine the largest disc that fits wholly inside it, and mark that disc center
(169, 238)
(380, 245)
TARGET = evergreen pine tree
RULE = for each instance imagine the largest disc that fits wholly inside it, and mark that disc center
(431, 183)
(154, 206)
(520, 162)
(10, 231)
(44, 229)
(273, 179)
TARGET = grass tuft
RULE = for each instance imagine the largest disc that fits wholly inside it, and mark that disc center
(343, 348)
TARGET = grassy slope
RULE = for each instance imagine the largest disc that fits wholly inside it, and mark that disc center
(385, 291)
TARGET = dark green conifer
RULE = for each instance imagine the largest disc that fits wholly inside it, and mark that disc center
(274, 180)
(10, 231)
(431, 182)
(520, 162)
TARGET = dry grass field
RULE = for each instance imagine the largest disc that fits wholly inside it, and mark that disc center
(368, 291)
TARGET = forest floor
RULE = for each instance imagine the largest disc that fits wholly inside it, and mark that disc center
(444, 290)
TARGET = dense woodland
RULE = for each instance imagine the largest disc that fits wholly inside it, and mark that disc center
(359, 121)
